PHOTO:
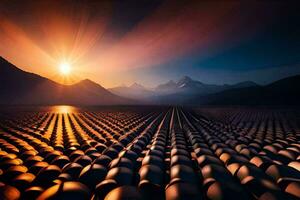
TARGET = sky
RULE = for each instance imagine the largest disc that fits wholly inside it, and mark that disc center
(150, 42)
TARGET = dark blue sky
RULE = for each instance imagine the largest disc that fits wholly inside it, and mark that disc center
(271, 53)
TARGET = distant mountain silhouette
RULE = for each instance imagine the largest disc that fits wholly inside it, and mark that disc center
(188, 86)
(135, 91)
(174, 92)
(179, 92)
(20, 87)
(168, 87)
(281, 92)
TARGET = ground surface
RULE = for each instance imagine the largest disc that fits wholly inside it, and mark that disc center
(149, 153)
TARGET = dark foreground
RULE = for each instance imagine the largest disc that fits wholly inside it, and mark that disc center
(149, 153)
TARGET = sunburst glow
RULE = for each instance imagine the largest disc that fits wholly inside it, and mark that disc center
(65, 68)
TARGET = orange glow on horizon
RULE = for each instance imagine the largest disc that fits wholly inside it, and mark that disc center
(63, 109)
(55, 34)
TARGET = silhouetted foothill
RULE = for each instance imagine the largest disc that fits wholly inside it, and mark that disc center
(37, 90)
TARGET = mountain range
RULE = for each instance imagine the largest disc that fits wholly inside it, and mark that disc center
(282, 92)
(174, 92)
(187, 85)
(134, 91)
(18, 87)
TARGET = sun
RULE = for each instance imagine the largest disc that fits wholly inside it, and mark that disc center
(65, 68)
